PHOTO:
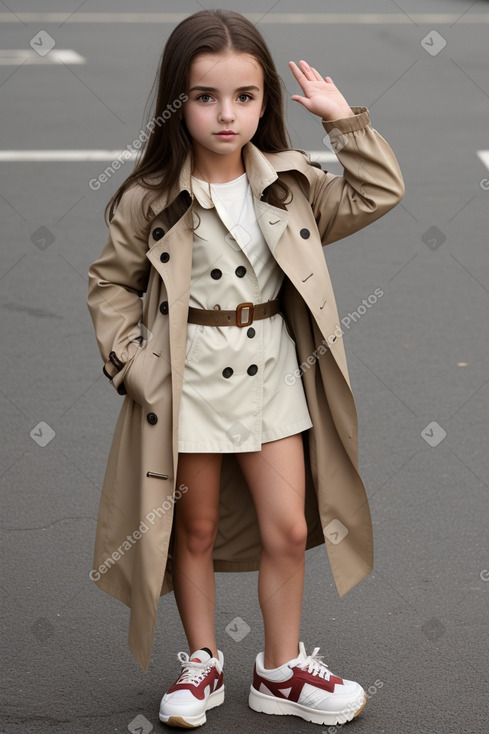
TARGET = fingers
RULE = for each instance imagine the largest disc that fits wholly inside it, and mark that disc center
(317, 75)
(305, 72)
(297, 72)
(308, 71)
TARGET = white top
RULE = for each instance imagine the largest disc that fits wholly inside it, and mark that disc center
(236, 395)
(233, 202)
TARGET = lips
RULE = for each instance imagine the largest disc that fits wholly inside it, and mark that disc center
(226, 134)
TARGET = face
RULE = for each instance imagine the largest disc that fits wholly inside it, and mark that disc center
(226, 101)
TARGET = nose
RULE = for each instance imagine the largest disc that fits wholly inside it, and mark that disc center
(226, 111)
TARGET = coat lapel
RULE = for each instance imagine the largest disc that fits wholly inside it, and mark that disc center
(309, 274)
(176, 274)
(272, 222)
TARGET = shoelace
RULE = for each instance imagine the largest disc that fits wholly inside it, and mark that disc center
(314, 664)
(192, 671)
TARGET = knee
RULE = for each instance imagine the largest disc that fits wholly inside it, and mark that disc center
(289, 540)
(197, 537)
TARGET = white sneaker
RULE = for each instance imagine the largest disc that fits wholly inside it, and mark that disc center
(305, 687)
(199, 688)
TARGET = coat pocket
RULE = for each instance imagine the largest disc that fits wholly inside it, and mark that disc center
(133, 379)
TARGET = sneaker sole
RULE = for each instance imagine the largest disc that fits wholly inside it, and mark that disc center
(190, 722)
(264, 704)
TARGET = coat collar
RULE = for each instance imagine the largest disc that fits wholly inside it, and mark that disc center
(262, 170)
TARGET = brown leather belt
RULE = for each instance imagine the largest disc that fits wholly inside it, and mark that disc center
(243, 315)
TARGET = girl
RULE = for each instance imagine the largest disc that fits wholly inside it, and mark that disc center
(236, 445)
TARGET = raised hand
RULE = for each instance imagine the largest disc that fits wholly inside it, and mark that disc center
(321, 96)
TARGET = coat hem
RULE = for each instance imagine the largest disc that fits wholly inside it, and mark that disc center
(114, 591)
(231, 448)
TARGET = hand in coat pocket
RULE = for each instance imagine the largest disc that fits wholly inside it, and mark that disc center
(134, 379)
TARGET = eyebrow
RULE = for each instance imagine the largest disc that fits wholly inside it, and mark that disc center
(213, 89)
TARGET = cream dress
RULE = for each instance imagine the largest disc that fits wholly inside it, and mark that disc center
(236, 394)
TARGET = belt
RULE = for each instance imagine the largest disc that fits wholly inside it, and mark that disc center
(243, 315)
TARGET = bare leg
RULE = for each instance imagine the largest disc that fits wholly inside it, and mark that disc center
(276, 478)
(196, 521)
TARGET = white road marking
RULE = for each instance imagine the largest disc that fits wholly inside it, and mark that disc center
(62, 155)
(484, 156)
(18, 56)
(283, 18)
(53, 156)
(103, 155)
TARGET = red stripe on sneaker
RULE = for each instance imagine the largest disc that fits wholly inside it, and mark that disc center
(212, 679)
(294, 685)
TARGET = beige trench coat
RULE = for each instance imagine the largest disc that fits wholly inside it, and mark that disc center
(143, 343)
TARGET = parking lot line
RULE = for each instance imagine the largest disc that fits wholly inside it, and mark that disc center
(54, 156)
(484, 156)
(282, 18)
(20, 56)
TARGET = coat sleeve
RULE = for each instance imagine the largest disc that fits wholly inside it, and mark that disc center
(371, 183)
(116, 283)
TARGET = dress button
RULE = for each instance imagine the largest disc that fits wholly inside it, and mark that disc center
(164, 307)
(252, 369)
(158, 233)
(152, 418)
(216, 273)
(227, 372)
(240, 271)
(305, 234)
(164, 257)
(251, 332)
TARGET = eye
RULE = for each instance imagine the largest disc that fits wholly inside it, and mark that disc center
(204, 97)
(245, 97)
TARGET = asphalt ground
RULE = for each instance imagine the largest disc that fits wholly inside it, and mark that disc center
(415, 632)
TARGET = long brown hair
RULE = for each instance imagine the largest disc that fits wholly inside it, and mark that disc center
(168, 143)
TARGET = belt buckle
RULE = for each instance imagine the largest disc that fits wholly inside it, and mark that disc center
(248, 308)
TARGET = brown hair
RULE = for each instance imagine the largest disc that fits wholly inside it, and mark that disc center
(168, 143)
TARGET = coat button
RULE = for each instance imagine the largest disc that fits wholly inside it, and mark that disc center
(305, 234)
(227, 372)
(216, 273)
(251, 332)
(164, 257)
(158, 233)
(252, 369)
(152, 418)
(164, 307)
(240, 271)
